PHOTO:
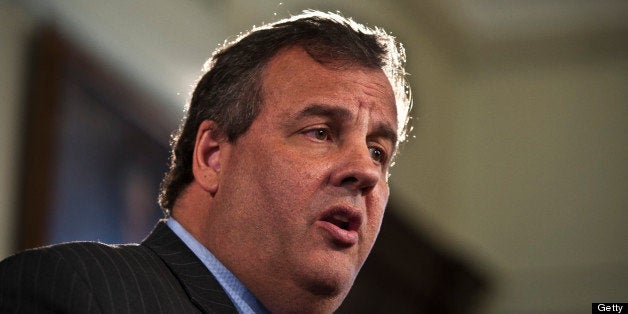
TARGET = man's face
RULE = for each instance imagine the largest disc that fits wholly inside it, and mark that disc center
(302, 193)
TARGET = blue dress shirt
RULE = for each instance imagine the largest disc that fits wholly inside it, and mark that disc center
(241, 297)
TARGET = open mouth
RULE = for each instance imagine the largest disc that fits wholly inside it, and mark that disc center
(342, 223)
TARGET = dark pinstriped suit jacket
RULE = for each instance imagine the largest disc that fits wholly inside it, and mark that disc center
(160, 275)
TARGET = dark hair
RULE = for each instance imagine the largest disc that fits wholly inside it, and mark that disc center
(229, 93)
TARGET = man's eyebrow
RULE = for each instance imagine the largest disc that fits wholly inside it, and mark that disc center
(383, 130)
(332, 112)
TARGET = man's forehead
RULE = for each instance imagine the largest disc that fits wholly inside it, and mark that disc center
(294, 64)
(292, 69)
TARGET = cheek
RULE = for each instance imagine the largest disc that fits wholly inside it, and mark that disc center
(283, 182)
(376, 208)
(296, 172)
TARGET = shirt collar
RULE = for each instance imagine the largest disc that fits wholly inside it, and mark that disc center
(241, 297)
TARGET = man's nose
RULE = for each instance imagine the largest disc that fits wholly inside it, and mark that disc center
(356, 170)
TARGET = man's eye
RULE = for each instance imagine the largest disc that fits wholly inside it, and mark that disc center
(320, 134)
(377, 154)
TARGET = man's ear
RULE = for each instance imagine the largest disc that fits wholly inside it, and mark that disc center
(206, 158)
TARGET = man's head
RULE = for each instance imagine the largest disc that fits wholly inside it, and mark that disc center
(281, 165)
(229, 92)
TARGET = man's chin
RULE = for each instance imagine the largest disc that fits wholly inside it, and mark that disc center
(330, 281)
(327, 272)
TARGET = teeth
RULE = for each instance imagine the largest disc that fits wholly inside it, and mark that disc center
(341, 218)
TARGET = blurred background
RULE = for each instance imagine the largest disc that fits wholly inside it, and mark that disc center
(510, 197)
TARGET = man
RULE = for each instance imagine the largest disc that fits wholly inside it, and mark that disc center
(276, 191)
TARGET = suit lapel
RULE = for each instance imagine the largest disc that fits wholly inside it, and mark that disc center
(198, 282)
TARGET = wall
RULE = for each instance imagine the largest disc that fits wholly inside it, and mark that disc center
(520, 163)
(542, 174)
(15, 26)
